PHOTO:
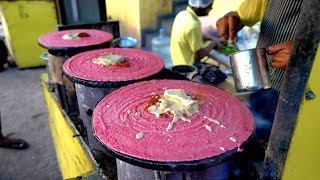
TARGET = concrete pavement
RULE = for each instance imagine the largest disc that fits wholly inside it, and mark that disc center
(24, 115)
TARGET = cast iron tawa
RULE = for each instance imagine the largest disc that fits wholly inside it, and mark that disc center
(115, 123)
(195, 165)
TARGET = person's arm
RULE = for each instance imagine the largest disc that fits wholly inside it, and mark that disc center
(280, 54)
(203, 52)
(249, 13)
(195, 40)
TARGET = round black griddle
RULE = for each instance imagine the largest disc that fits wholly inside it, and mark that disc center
(163, 74)
(195, 165)
(70, 51)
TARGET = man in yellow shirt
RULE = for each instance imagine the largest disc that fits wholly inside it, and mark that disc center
(187, 43)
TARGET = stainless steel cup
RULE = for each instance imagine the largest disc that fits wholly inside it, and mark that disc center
(250, 70)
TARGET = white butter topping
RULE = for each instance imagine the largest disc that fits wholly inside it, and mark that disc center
(212, 120)
(111, 59)
(180, 95)
(140, 135)
(208, 127)
(175, 102)
(71, 36)
(233, 139)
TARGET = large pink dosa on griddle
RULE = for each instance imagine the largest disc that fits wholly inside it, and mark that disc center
(142, 64)
(116, 125)
(55, 40)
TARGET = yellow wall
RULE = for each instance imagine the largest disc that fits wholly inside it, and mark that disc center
(134, 15)
(25, 22)
(127, 12)
(303, 160)
(150, 9)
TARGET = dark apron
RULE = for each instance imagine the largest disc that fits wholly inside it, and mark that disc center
(278, 26)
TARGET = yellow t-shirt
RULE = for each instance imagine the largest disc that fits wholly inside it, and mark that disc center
(252, 11)
(222, 7)
(186, 38)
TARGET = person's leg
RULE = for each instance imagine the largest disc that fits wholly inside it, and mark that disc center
(3, 54)
(1, 135)
(12, 143)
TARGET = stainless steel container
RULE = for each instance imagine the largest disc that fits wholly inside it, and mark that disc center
(127, 170)
(45, 57)
(125, 42)
(250, 70)
(185, 70)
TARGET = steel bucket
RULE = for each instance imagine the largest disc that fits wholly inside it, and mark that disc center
(250, 70)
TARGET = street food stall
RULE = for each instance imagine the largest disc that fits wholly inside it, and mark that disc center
(137, 120)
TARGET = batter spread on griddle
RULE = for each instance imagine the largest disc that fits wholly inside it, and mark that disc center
(122, 131)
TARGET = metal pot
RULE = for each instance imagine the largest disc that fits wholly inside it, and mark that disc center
(185, 70)
(125, 42)
(45, 57)
(250, 70)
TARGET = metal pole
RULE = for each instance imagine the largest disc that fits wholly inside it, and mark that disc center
(303, 53)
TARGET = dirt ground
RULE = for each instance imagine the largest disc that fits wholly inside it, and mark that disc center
(24, 115)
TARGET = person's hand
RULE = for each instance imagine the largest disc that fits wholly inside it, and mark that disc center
(229, 25)
(281, 53)
(220, 43)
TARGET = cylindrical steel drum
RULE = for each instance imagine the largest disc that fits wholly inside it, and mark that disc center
(45, 57)
(64, 87)
(198, 144)
(61, 48)
(94, 81)
(220, 171)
